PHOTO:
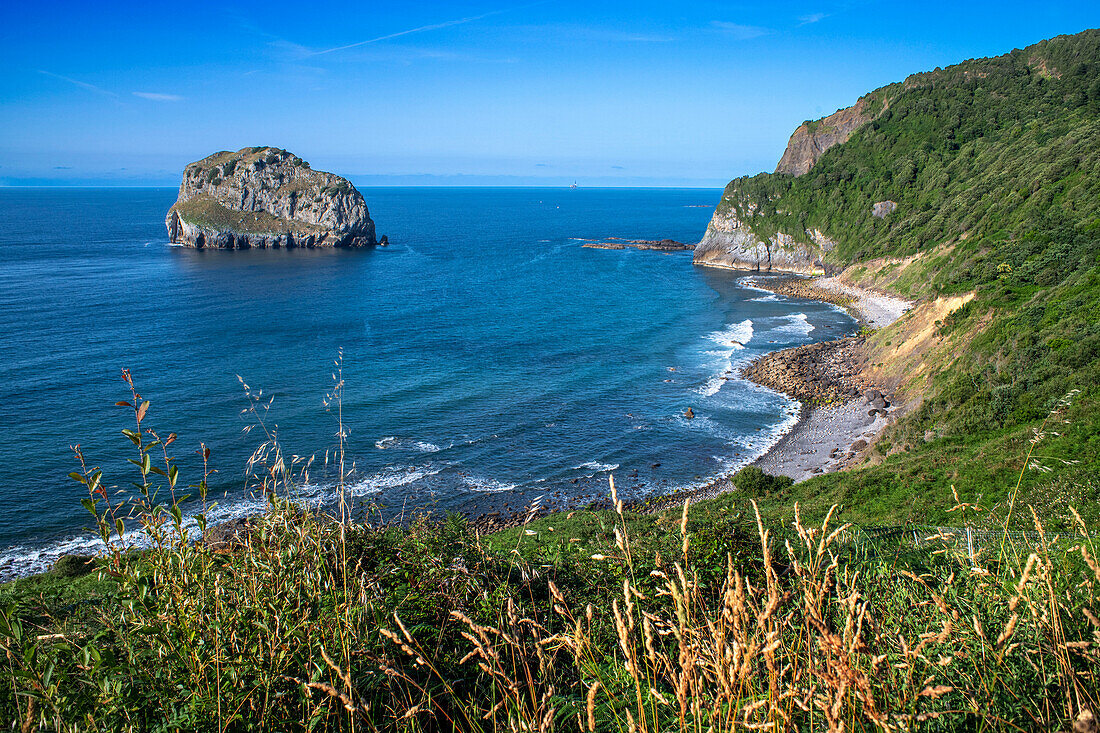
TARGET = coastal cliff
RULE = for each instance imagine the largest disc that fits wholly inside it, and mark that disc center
(812, 138)
(741, 237)
(266, 197)
(732, 242)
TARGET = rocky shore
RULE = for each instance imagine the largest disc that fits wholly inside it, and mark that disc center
(843, 411)
(873, 309)
(825, 373)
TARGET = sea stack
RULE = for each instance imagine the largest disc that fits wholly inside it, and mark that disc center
(266, 197)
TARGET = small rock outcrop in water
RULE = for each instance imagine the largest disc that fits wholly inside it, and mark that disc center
(266, 197)
(660, 245)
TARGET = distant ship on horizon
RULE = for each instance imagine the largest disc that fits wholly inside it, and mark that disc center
(574, 185)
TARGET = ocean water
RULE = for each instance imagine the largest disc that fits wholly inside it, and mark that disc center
(488, 357)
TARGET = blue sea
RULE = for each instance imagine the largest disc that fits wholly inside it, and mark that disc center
(488, 358)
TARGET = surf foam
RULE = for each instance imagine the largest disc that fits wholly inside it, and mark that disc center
(597, 467)
(796, 324)
(732, 338)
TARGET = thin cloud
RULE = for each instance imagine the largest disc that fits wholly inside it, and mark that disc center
(158, 97)
(410, 31)
(621, 36)
(811, 18)
(739, 31)
(576, 31)
(82, 84)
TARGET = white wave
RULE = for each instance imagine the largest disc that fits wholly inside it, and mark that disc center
(597, 467)
(487, 485)
(21, 560)
(769, 298)
(732, 338)
(749, 283)
(715, 383)
(391, 477)
(797, 324)
(745, 449)
(391, 442)
(756, 444)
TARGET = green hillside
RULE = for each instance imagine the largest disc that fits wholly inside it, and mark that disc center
(995, 167)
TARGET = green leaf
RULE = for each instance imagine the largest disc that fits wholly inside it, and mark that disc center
(119, 527)
(78, 478)
(173, 474)
(134, 437)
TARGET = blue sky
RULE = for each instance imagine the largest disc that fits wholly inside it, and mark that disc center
(480, 92)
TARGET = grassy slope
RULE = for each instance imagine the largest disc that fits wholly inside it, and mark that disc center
(204, 211)
(995, 166)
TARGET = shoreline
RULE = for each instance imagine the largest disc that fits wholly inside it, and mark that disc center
(850, 413)
(841, 414)
(870, 308)
(832, 432)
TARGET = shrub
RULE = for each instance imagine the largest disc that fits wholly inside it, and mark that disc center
(753, 483)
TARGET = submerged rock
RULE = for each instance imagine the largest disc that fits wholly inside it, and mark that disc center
(266, 197)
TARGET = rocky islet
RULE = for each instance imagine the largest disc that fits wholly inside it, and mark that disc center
(266, 197)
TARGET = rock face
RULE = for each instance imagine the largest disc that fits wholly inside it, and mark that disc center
(882, 209)
(812, 139)
(731, 242)
(266, 197)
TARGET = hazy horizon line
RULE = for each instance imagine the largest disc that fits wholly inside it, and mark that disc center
(369, 185)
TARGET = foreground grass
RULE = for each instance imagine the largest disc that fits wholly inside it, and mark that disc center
(705, 619)
(733, 614)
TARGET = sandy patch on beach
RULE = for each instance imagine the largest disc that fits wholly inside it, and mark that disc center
(875, 309)
(822, 441)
